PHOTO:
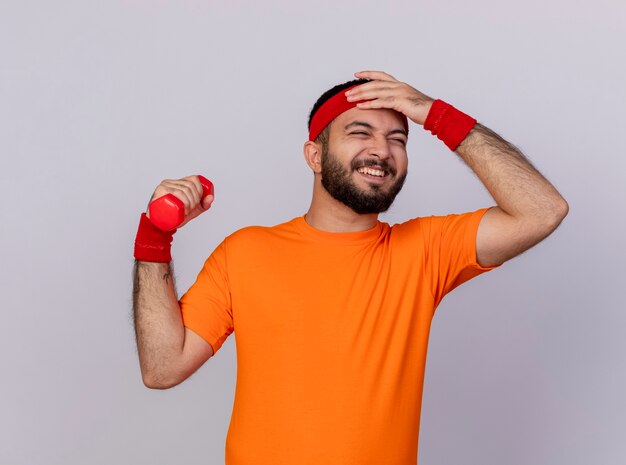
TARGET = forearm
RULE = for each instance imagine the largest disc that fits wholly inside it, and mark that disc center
(516, 186)
(158, 322)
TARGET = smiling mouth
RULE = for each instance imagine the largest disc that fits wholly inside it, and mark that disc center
(373, 171)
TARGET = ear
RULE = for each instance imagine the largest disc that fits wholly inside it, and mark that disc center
(313, 156)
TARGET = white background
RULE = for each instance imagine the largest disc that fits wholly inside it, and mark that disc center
(99, 101)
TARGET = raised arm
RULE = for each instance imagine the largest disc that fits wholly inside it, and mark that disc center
(529, 207)
(168, 352)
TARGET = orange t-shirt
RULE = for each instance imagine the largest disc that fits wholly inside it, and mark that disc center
(331, 334)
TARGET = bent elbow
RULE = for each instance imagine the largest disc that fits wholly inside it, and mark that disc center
(560, 214)
(154, 385)
(557, 214)
(563, 209)
(159, 382)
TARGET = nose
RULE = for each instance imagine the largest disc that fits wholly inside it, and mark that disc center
(380, 147)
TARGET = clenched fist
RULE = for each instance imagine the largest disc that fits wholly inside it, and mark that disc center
(175, 202)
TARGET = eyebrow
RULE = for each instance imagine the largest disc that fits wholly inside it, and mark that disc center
(369, 126)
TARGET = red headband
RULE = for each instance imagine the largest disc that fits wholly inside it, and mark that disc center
(332, 108)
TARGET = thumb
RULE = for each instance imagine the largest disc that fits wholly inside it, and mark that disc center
(207, 201)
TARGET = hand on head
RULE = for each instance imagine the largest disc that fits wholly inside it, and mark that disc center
(385, 91)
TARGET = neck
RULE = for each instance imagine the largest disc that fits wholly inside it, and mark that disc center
(328, 214)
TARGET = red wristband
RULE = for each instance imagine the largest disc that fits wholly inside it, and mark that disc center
(152, 244)
(448, 124)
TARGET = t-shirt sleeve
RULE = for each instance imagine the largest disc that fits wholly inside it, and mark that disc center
(206, 307)
(451, 258)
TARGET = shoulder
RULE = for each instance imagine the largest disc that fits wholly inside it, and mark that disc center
(427, 223)
(257, 233)
(436, 227)
(411, 227)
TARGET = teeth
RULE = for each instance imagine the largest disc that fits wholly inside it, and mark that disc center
(371, 171)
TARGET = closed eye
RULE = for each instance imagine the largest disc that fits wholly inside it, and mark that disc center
(362, 133)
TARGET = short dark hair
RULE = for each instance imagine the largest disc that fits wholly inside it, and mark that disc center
(323, 136)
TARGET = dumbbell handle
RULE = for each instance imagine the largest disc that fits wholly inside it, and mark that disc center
(168, 212)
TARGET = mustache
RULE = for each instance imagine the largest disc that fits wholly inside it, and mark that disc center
(382, 164)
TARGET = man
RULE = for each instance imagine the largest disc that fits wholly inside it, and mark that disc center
(332, 310)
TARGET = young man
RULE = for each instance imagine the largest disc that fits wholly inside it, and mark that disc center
(332, 310)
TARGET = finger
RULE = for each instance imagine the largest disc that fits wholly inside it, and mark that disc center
(374, 104)
(185, 198)
(186, 188)
(200, 208)
(380, 75)
(197, 184)
(207, 201)
(185, 192)
(190, 190)
(160, 190)
(372, 92)
(373, 85)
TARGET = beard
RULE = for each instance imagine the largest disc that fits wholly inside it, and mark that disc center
(338, 181)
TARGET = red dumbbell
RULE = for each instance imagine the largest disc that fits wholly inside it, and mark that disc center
(168, 212)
